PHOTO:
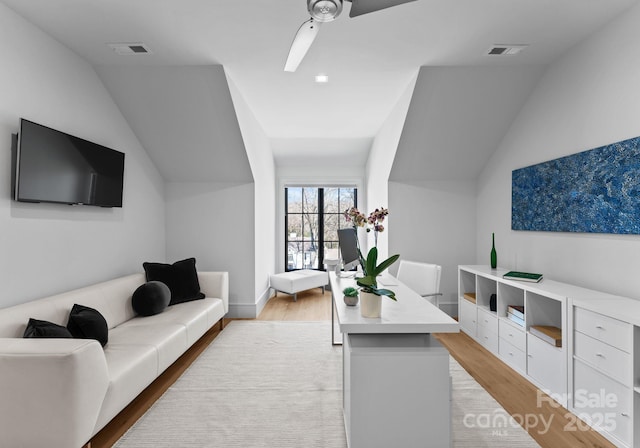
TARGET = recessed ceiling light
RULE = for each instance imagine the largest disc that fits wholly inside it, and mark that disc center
(322, 79)
(130, 48)
(506, 50)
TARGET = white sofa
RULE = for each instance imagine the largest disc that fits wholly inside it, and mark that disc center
(59, 393)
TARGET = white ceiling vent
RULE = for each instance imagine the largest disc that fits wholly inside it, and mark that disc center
(130, 48)
(505, 50)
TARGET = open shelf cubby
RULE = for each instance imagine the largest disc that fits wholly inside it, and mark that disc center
(509, 295)
(542, 310)
(485, 288)
(467, 283)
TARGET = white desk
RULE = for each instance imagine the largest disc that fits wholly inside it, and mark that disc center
(396, 385)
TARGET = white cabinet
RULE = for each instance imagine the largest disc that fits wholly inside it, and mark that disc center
(513, 334)
(608, 359)
(595, 372)
(396, 388)
(487, 330)
(468, 317)
(501, 317)
(544, 365)
(604, 328)
(602, 403)
(603, 374)
(513, 356)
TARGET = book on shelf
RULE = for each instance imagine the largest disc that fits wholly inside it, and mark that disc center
(470, 296)
(548, 333)
(523, 276)
(516, 310)
(516, 319)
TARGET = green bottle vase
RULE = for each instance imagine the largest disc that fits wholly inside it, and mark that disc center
(494, 255)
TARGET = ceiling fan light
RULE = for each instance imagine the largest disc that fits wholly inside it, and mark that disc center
(324, 10)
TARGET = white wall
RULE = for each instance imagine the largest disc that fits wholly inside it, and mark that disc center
(431, 222)
(380, 161)
(214, 223)
(587, 98)
(434, 222)
(48, 248)
(264, 203)
(230, 226)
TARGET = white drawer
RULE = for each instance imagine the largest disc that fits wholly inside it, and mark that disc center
(468, 317)
(513, 334)
(608, 359)
(488, 338)
(513, 356)
(545, 364)
(608, 330)
(488, 319)
(602, 402)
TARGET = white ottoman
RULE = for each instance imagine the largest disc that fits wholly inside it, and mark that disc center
(293, 282)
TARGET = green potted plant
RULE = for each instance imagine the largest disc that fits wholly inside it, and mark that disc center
(372, 270)
(370, 295)
(350, 296)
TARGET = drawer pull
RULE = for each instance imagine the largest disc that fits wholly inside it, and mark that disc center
(511, 334)
(530, 356)
(510, 353)
(624, 414)
(599, 327)
(599, 355)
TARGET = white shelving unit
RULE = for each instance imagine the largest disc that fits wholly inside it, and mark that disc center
(595, 373)
(604, 374)
(542, 363)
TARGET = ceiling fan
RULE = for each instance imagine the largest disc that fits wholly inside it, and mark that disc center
(326, 11)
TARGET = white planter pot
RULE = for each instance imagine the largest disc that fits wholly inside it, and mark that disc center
(370, 304)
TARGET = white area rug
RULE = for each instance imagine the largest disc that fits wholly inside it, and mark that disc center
(279, 384)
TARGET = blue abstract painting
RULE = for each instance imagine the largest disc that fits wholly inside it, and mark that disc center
(595, 191)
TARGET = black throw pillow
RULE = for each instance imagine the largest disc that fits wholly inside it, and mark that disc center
(181, 277)
(151, 298)
(87, 323)
(43, 329)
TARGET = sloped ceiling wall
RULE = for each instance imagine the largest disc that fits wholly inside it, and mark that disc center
(185, 119)
(457, 118)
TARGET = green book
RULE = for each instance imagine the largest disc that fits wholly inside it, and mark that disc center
(523, 276)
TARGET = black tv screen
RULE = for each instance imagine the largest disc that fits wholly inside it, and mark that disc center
(52, 166)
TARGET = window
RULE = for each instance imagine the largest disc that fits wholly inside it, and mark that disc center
(312, 218)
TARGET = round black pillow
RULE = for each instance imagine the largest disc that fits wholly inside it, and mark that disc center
(151, 298)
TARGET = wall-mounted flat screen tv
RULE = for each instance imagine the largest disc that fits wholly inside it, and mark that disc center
(52, 166)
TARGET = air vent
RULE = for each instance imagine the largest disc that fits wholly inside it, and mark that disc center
(130, 48)
(505, 50)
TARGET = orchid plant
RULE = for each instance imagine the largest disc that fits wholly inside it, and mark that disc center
(370, 266)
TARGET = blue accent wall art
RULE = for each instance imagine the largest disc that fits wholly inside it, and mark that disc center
(595, 191)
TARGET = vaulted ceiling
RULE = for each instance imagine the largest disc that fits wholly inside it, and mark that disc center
(463, 101)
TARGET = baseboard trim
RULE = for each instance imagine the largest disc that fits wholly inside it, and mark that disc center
(249, 310)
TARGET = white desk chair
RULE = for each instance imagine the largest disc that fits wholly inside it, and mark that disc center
(423, 278)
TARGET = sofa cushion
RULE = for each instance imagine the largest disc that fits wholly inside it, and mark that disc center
(194, 315)
(151, 298)
(87, 323)
(181, 277)
(168, 339)
(131, 368)
(44, 329)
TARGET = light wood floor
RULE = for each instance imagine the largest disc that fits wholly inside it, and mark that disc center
(515, 394)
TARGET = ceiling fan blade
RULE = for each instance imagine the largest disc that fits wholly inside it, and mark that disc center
(301, 43)
(359, 7)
